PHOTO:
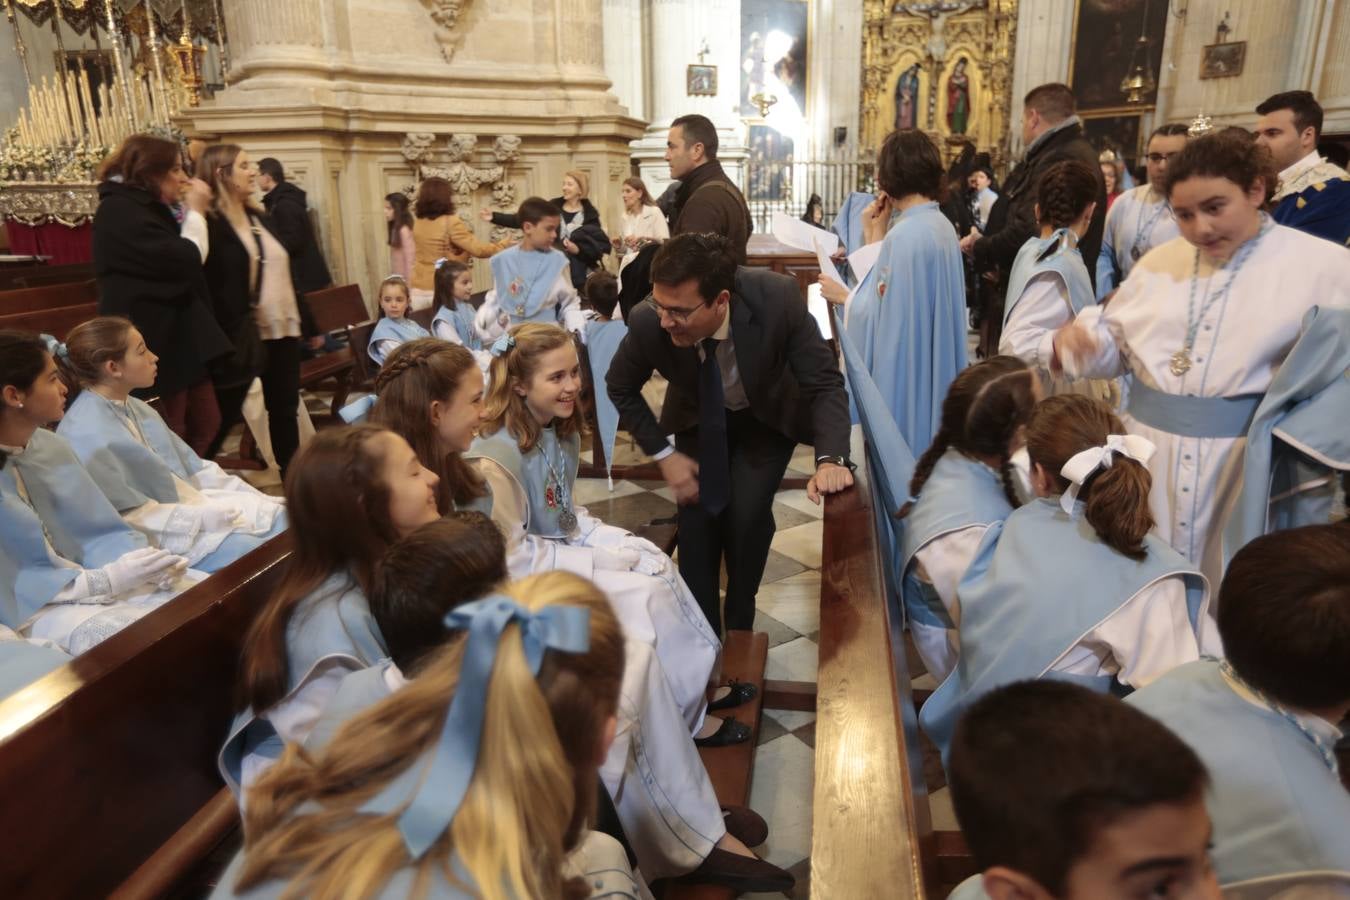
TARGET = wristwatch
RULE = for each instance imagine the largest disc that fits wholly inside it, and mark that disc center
(836, 460)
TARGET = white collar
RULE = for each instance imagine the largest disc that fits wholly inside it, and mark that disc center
(1300, 167)
(1315, 724)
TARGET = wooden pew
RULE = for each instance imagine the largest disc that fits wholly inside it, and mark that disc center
(22, 300)
(57, 322)
(107, 764)
(333, 309)
(872, 833)
(42, 275)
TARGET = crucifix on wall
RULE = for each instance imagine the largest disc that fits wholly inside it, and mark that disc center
(958, 106)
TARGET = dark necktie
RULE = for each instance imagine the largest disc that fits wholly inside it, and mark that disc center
(714, 457)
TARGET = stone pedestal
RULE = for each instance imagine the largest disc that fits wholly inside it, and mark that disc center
(678, 30)
(332, 88)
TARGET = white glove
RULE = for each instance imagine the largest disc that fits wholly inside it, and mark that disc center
(222, 517)
(620, 560)
(139, 567)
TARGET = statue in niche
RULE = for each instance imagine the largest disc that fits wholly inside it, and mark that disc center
(958, 98)
(907, 98)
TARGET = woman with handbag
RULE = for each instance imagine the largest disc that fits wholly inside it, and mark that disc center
(249, 276)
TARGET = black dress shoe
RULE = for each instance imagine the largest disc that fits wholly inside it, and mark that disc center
(738, 692)
(745, 825)
(743, 874)
(731, 732)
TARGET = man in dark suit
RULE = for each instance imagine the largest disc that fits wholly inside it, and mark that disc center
(749, 378)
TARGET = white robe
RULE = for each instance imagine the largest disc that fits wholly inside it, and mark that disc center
(1140, 219)
(1240, 343)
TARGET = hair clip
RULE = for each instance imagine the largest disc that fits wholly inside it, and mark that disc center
(55, 348)
(1081, 466)
(503, 344)
(358, 410)
(440, 262)
(396, 277)
(427, 795)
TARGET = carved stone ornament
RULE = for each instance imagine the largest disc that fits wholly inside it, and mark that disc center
(617, 168)
(34, 203)
(458, 167)
(445, 14)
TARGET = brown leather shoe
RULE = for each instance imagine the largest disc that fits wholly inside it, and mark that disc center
(745, 825)
(740, 873)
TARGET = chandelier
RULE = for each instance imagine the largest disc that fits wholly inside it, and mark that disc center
(1139, 83)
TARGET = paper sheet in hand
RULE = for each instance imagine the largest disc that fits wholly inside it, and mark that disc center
(863, 259)
(819, 308)
(827, 267)
(796, 233)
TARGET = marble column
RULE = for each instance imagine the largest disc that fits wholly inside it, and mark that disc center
(625, 47)
(678, 30)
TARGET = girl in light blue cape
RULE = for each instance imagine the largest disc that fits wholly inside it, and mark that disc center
(454, 311)
(1073, 585)
(182, 503)
(353, 491)
(1049, 283)
(430, 786)
(71, 571)
(394, 326)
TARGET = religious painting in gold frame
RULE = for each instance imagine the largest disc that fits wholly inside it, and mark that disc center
(1223, 60)
(943, 68)
(1105, 33)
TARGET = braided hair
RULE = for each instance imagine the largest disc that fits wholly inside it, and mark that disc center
(417, 374)
(984, 408)
(1065, 191)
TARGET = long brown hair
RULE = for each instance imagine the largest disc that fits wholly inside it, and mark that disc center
(399, 202)
(640, 186)
(142, 161)
(981, 413)
(435, 198)
(214, 167)
(517, 366)
(1115, 497)
(338, 507)
(527, 803)
(417, 374)
(89, 346)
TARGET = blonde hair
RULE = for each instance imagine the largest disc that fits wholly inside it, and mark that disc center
(516, 367)
(215, 161)
(528, 800)
(583, 182)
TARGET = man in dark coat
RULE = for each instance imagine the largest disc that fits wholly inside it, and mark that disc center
(707, 202)
(288, 209)
(1051, 132)
(748, 378)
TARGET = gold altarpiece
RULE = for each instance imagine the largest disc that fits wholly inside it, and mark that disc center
(943, 66)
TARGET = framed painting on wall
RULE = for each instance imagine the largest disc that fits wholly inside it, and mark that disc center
(1118, 133)
(1105, 33)
(1223, 60)
(700, 81)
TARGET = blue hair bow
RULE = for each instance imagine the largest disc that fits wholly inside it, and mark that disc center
(503, 344)
(358, 410)
(430, 792)
(54, 347)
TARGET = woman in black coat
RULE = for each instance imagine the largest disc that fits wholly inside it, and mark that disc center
(149, 269)
(254, 301)
(580, 235)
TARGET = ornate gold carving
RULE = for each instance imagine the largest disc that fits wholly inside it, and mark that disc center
(935, 37)
(35, 203)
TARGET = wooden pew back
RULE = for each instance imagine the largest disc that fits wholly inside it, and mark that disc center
(103, 760)
(40, 276)
(22, 300)
(56, 322)
(335, 308)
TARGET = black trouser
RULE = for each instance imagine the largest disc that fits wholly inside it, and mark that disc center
(742, 532)
(281, 394)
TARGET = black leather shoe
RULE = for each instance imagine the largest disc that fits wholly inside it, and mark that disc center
(738, 692)
(731, 732)
(745, 825)
(743, 874)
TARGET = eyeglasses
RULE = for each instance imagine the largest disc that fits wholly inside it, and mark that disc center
(1162, 157)
(676, 314)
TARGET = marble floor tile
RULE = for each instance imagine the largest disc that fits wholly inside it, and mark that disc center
(794, 601)
(797, 500)
(778, 632)
(632, 511)
(769, 730)
(793, 661)
(777, 568)
(790, 719)
(592, 490)
(802, 543)
(806, 734)
(782, 794)
(786, 517)
(803, 459)
(942, 811)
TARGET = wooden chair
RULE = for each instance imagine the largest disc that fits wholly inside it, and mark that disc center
(22, 300)
(358, 339)
(108, 764)
(333, 309)
(423, 317)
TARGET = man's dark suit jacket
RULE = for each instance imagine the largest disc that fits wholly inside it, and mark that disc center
(787, 369)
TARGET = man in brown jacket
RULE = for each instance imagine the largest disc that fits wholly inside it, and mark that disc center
(707, 201)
